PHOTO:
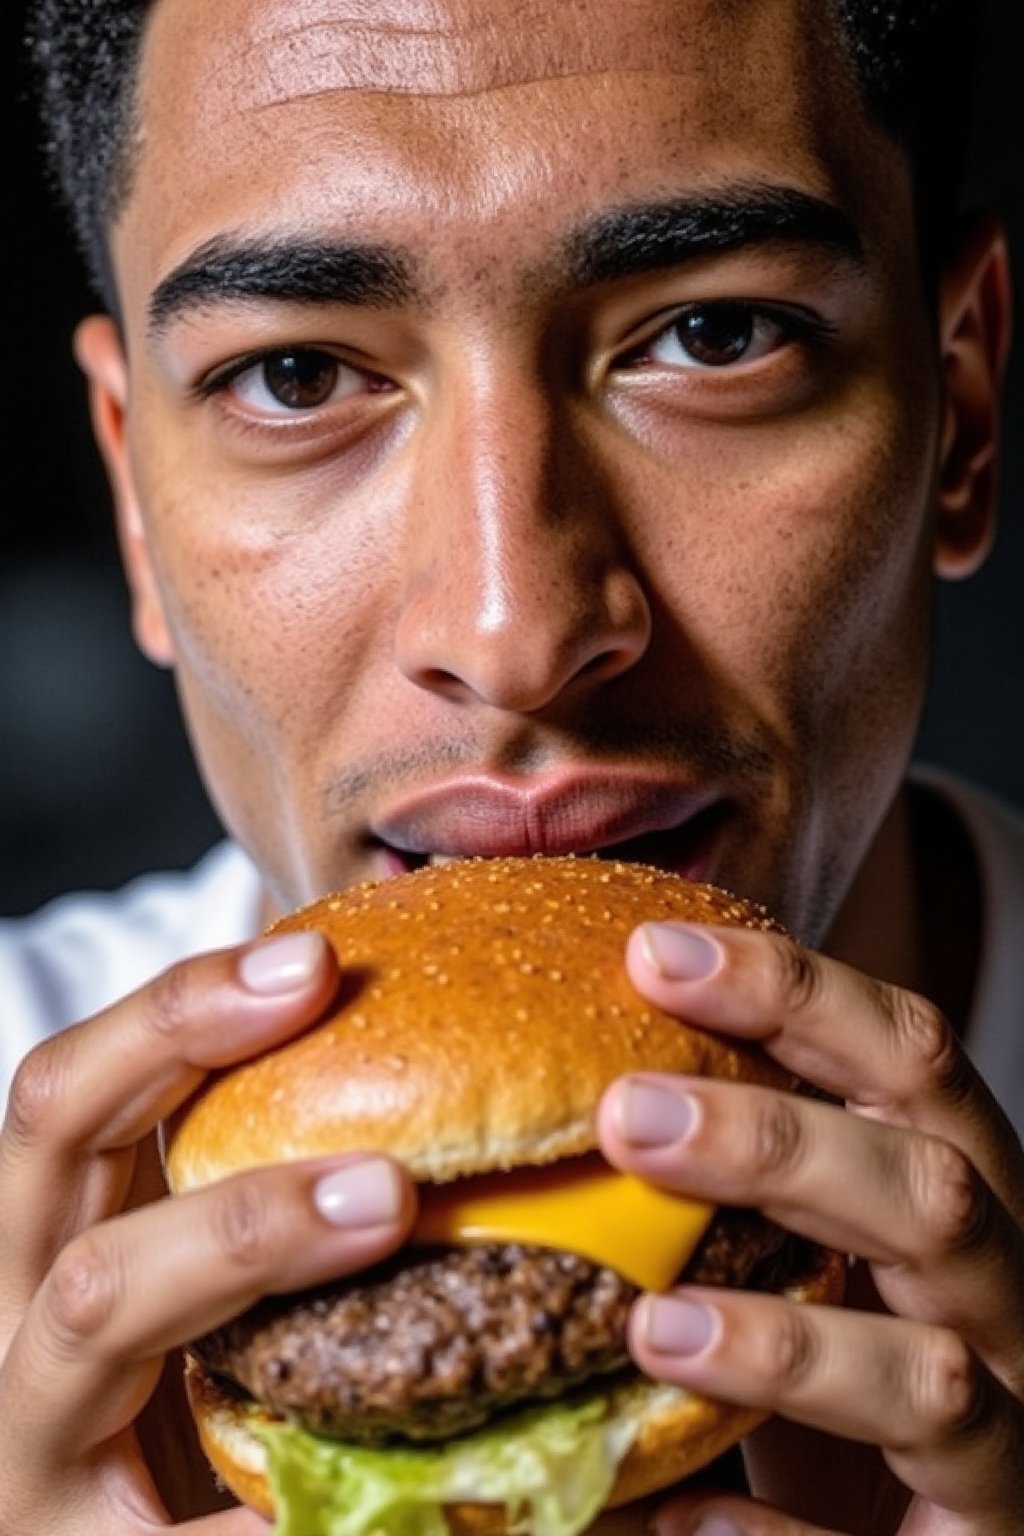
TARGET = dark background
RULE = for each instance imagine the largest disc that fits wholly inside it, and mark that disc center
(96, 782)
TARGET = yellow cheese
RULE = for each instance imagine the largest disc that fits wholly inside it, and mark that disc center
(582, 1205)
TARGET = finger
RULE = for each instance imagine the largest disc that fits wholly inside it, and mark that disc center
(889, 1053)
(125, 1507)
(97, 1088)
(103, 1084)
(909, 1202)
(707, 1514)
(122, 1294)
(947, 1426)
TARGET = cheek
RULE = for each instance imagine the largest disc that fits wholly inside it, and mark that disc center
(864, 609)
(801, 566)
(276, 631)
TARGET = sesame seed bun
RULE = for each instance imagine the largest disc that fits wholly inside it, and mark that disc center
(483, 1010)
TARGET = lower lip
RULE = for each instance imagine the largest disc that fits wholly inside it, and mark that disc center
(687, 850)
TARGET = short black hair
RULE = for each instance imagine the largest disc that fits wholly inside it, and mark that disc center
(910, 58)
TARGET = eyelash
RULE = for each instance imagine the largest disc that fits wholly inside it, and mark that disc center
(220, 381)
(796, 324)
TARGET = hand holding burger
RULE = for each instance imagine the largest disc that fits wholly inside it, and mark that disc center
(479, 1382)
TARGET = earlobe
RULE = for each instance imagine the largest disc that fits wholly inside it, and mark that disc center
(975, 318)
(100, 355)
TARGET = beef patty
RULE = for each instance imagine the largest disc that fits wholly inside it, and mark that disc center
(433, 1348)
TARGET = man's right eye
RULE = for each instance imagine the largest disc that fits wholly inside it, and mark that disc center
(291, 382)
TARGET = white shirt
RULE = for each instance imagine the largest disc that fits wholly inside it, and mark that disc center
(995, 1032)
(83, 952)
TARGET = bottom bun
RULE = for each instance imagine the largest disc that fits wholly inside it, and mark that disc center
(670, 1432)
(673, 1433)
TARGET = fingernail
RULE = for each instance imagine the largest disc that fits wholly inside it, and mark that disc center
(672, 1326)
(716, 1525)
(679, 954)
(363, 1194)
(286, 964)
(650, 1115)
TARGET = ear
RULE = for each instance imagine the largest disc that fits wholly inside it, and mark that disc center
(975, 322)
(100, 355)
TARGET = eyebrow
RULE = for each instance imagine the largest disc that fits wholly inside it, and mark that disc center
(293, 271)
(620, 243)
(629, 241)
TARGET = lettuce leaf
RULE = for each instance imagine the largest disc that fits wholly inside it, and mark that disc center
(552, 1468)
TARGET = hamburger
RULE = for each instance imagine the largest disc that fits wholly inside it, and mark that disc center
(479, 1381)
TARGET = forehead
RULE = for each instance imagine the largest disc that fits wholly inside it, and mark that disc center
(273, 50)
(276, 52)
(489, 111)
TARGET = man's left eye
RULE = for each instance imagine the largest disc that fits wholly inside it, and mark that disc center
(716, 336)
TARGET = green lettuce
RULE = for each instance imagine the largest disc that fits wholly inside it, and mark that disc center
(551, 1467)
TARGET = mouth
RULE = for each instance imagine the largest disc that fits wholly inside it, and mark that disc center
(621, 818)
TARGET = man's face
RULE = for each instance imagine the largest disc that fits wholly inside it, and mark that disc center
(533, 419)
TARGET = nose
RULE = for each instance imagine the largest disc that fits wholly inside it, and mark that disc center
(518, 590)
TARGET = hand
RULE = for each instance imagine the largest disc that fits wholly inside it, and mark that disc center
(920, 1176)
(94, 1293)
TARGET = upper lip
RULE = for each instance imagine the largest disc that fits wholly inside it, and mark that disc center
(577, 811)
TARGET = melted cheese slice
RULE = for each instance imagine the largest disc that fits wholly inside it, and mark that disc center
(582, 1205)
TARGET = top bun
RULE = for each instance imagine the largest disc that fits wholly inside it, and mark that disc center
(484, 1008)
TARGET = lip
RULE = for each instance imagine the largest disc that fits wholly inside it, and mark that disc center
(493, 816)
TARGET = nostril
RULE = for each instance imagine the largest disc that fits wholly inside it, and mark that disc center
(605, 665)
(596, 664)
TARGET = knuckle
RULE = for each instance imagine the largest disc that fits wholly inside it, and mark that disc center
(926, 1040)
(243, 1229)
(36, 1095)
(951, 1388)
(167, 1001)
(952, 1201)
(84, 1291)
(790, 1350)
(795, 978)
(775, 1134)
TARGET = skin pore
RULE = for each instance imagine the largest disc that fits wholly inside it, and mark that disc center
(620, 441)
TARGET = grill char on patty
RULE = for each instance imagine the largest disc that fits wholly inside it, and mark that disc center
(434, 1348)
